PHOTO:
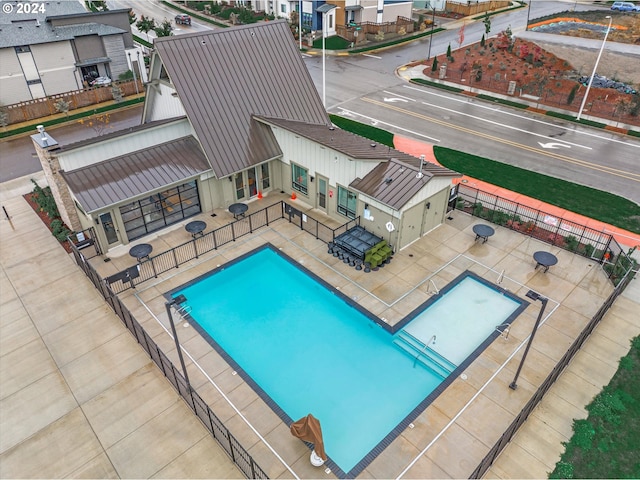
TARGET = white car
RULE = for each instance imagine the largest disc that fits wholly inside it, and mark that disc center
(101, 82)
(625, 7)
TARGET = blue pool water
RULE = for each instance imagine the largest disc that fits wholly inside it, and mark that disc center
(307, 349)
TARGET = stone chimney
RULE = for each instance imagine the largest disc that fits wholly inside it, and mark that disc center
(46, 148)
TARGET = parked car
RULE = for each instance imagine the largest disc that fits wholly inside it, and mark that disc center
(625, 7)
(101, 82)
(183, 19)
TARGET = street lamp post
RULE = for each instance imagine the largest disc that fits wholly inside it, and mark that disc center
(177, 301)
(595, 67)
(433, 22)
(533, 296)
(300, 24)
(133, 70)
(324, 9)
(528, 13)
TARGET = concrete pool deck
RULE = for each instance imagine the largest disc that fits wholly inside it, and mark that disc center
(80, 398)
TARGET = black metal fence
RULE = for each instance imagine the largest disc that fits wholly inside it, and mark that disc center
(194, 248)
(506, 437)
(548, 228)
(227, 441)
(479, 203)
(172, 259)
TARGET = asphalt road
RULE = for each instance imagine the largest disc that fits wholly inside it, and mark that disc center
(366, 88)
(18, 156)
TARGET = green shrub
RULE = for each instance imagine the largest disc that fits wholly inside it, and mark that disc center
(477, 209)
(572, 94)
(572, 243)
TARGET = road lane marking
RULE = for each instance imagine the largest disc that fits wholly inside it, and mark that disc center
(583, 163)
(553, 145)
(394, 99)
(409, 99)
(371, 56)
(351, 113)
(506, 112)
(521, 130)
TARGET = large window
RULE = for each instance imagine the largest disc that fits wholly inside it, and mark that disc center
(299, 178)
(160, 209)
(347, 202)
(266, 182)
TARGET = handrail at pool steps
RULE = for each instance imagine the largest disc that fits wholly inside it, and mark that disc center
(422, 353)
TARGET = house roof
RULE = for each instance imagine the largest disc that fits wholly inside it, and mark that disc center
(225, 76)
(41, 11)
(115, 180)
(118, 133)
(16, 34)
(347, 143)
(393, 182)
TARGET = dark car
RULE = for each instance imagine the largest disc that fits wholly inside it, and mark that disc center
(183, 19)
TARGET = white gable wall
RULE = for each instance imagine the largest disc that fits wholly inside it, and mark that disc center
(337, 167)
(99, 152)
(162, 102)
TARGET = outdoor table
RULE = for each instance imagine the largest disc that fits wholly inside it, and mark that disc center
(195, 228)
(141, 251)
(545, 259)
(238, 209)
(483, 232)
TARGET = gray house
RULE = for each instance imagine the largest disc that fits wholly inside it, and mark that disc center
(54, 47)
(231, 115)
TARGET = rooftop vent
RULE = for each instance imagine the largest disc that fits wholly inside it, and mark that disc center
(388, 180)
(373, 145)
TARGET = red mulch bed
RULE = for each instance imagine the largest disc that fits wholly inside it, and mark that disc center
(550, 78)
(29, 197)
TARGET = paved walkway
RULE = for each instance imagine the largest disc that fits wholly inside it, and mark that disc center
(78, 396)
(418, 147)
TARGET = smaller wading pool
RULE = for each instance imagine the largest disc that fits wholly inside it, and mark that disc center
(305, 348)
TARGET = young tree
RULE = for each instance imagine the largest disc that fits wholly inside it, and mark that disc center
(145, 25)
(487, 23)
(132, 17)
(482, 41)
(449, 51)
(62, 106)
(434, 66)
(165, 29)
(461, 36)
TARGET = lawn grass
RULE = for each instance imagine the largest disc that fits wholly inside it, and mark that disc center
(606, 443)
(373, 133)
(31, 127)
(587, 201)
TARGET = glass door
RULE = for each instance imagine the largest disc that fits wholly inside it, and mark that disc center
(322, 194)
(109, 228)
(252, 180)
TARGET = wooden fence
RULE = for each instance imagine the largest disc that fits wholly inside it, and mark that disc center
(473, 8)
(42, 107)
(364, 31)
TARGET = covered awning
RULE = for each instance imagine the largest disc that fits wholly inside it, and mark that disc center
(353, 8)
(120, 179)
(93, 61)
(326, 7)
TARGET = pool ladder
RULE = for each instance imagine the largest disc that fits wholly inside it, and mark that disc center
(182, 310)
(504, 333)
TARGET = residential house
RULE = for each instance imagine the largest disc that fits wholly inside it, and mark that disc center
(49, 48)
(232, 115)
(342, 12)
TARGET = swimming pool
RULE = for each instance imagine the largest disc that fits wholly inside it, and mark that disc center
(306, 348)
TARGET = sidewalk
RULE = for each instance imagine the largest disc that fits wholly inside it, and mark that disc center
(79, 397)
(623, 237)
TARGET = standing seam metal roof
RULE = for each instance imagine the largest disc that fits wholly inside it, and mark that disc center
(115, 180)
(223, 77)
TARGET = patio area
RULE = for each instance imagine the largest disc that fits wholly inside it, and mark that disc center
(456, 431)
